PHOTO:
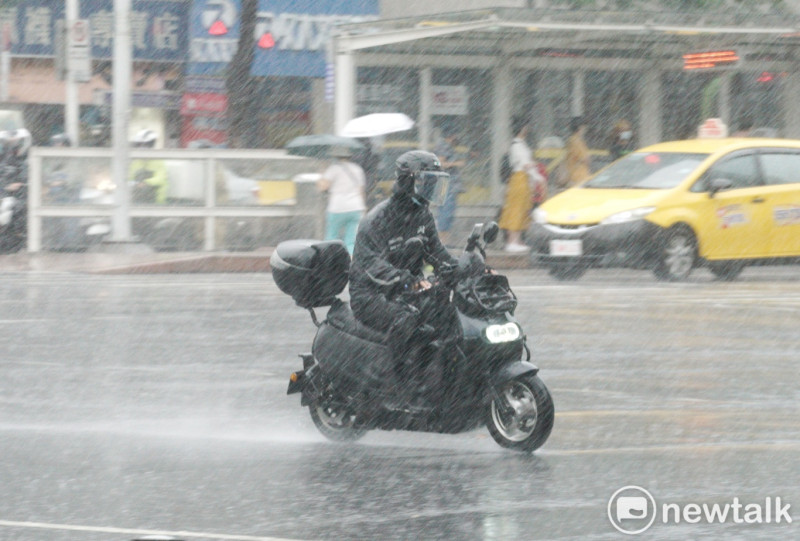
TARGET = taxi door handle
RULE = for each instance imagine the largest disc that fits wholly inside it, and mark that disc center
(758, 200)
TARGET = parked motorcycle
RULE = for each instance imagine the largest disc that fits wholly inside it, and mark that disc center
(13, 217)
(13, 191)
(481, 373)
(76, 234)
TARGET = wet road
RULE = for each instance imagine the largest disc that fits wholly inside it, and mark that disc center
(156, 405)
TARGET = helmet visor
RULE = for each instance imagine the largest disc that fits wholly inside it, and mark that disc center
(432, 186)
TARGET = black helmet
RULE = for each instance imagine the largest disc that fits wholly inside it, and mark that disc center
(419, 174)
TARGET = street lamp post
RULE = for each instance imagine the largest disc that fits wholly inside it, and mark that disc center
(72, 109)
(121, 222)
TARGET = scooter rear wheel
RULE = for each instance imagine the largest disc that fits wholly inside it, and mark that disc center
(334, 421)
(521, 415)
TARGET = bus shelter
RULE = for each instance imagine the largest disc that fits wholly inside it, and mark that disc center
(663, 71)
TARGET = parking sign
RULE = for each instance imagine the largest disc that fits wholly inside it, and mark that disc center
(79, 52)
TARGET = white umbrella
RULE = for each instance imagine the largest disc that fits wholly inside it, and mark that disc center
(377, 124)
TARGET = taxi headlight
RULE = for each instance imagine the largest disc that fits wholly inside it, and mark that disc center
(539, 216)
(628, 215)
(497, 334)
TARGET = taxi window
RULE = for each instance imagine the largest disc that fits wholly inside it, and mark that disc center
(781, 167)
(741, 171)
(647, 171)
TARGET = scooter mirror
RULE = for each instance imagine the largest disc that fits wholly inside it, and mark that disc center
(490, 232)
(476, 232)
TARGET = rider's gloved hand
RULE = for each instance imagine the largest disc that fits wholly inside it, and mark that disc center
(447, 272)
(422, 285)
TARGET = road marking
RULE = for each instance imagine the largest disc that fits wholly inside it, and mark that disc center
(686, 447)
(131, 531)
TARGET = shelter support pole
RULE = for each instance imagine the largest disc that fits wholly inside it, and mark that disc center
(121, 109)
(650, 100)
(502, 93)
(321, 110)
(791, 105)
(578, 92)
(724, 100)
(424, 120)
(344, 87)
(547, 94)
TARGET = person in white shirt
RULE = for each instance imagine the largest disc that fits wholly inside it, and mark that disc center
(344, 181)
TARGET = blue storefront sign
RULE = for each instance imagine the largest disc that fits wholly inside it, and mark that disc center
(214, 35)
(158, 28)
(292, 36)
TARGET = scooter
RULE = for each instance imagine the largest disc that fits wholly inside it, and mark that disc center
(481, 374)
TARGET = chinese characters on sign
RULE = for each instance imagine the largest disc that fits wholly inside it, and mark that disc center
(37, 26)
(159, 29)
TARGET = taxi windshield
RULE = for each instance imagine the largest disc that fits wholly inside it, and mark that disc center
(647, 171)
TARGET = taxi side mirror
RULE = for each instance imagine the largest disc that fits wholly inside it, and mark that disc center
(719, 184)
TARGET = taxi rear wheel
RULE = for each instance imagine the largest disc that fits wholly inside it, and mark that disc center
(677, 255)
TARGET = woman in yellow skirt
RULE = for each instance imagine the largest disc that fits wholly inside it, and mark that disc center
(515, 216)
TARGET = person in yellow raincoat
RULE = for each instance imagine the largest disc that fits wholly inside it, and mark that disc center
(577, 158)
(149, 176)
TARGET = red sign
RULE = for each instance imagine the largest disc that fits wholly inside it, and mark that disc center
(204, 104)
(80, 32)
(207, 129)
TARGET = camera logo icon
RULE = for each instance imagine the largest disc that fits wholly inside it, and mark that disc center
(631, 509)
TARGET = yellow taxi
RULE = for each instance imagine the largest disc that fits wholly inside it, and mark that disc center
(671, 207)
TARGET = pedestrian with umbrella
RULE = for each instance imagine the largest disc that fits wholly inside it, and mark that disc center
(344, 182)
(368, 127)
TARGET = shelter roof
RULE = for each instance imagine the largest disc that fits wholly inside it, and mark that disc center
(580, 33)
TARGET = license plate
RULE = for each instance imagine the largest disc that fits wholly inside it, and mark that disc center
(566, 248)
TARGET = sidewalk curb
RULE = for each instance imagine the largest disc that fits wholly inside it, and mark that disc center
(179, 263)
(196, 264)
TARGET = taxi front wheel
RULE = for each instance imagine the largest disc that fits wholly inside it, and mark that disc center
(677, 255)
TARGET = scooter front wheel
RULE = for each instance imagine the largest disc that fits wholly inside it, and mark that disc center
(334, 421)
(520, 416)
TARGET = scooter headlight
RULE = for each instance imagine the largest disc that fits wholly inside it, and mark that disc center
(507, 332)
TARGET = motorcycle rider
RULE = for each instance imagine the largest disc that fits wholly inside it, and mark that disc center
(149, 176)
(382, 267)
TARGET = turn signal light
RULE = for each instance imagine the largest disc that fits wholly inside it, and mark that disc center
(293, 378)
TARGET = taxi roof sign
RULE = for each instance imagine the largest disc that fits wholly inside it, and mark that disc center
(712, 128)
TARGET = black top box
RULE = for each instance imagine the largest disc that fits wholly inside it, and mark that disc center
(312, 272)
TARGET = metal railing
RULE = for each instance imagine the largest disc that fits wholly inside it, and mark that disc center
(206, 191)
